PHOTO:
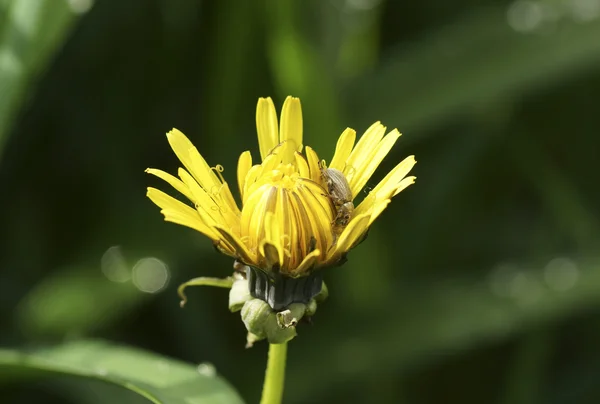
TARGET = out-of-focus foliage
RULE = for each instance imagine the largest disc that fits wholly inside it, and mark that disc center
(30, 32)
(479, 284)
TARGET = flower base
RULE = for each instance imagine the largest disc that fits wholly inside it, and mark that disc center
(280, 291)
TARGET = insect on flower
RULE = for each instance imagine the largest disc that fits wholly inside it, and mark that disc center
(340, 194)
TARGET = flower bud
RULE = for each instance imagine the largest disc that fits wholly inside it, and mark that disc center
(239, 293)
(255, 315)
(311, 308)
(262, 322)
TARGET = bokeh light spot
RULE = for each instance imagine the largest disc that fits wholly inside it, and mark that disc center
(561, 274)
(114, 266)
(585, 10)
(80, 6)
(207, 369)
(150, 275)
(525, 16)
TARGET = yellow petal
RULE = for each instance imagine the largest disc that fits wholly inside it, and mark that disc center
(244, 165)
(351, 234)
(307, 264)
(282, 219)
(217, 187)
(403, 184)
(343, 149)
(378, 208)
(388, 185)
(363, 148)
(211, 211)
(270, 254)
(266, 126)
(366, 205)
(302, 165)
(200, 170)
(258, 202)
(199, 195)
(301, 229)
(372, 160)
(195, 223)
(173, 181)
(315, 191)
(317, 214)
(284, 152)
(227, 197)
(249, 181)
(165, 201)
(291, 126)
(381, 204)
(191, 159)
(270, 163)
(313, 165)
(273, 236)
(177, 212)
(241, 250)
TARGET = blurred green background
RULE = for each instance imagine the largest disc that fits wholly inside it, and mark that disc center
(479, 284)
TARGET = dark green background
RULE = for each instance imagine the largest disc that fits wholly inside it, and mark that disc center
(450, 300)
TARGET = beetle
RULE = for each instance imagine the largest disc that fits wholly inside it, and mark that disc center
(340, 194)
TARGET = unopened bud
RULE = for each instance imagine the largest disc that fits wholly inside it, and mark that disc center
(262, 322)
(255, 314)
(251, 339)
(239, 293)
(311, 307)
(323, 294)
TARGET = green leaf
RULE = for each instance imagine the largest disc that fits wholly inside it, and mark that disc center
(157, 378)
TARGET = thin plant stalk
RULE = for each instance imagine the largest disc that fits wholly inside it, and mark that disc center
(275, 374)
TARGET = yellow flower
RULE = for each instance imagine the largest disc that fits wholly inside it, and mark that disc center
(287, 217)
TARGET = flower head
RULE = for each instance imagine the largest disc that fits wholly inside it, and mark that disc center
(292, 218)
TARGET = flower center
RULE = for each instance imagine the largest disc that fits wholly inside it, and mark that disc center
(290, 212)
(284, 176)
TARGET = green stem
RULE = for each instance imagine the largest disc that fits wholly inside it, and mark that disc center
(275, 375)
(203, 281)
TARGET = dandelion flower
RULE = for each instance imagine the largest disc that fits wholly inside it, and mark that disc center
(286, 222)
